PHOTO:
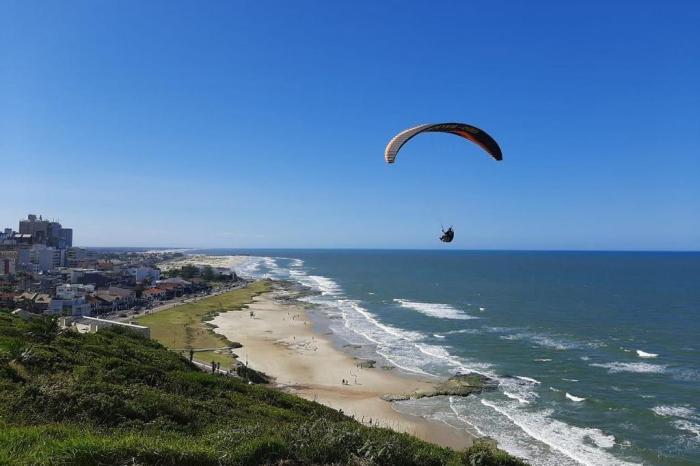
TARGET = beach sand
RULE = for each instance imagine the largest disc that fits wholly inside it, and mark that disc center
(202, 260)
(280, 341)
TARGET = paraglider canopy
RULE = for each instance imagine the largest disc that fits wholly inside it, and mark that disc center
(463, 130)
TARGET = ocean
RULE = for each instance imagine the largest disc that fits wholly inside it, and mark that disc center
(597, 354)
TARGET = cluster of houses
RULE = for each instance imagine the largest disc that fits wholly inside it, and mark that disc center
(78, 299)
(42, 273)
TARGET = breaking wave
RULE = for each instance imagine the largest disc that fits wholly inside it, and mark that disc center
(441, 311)
(644, 354)
(638, 367)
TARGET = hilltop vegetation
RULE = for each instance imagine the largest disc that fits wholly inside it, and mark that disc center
(114, 398)
(185, 327)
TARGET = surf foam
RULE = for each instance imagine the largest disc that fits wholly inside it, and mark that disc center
(574, 398)
(638, 367)
(440, 311)
(644, 354)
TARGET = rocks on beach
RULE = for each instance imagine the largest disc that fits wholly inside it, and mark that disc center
(458, 385)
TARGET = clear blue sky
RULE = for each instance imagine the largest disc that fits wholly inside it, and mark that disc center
(263, 123)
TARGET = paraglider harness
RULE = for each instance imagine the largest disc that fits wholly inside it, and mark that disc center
(447, 235)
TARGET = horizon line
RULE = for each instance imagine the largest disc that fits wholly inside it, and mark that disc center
(388, 249)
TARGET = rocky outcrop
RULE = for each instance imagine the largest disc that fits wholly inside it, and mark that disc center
(457, 385)
(366, 363)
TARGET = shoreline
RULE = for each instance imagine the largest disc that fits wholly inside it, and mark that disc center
(279, 339)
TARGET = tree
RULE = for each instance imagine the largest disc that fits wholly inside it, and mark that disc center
(189, 271)
(208, 273)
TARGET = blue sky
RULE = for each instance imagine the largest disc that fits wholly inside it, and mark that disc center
(263, 124)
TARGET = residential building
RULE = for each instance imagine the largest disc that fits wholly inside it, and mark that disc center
(44, 258)
(34, 302)
(7, 266)
(76, 306)
(144, 273)
(46, 232)
(154, 294)
(73, 290)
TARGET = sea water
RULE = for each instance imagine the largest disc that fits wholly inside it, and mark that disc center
(597, 354)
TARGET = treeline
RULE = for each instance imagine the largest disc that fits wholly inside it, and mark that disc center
(205, 273)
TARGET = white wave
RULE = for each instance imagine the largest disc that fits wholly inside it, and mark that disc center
(542, 360)
(638, 367)
(513, 396)
(570, 380)
(439, 352)
(441, 311)
(585, 445)
(644, 354)
(250, 267)
(688, 417)
(437, 335)
(297, 263)
(686, 375)
(554, 389)
(550, 342)
(482, 309)
(464, 330)
(398, 346)
(273, 268)
(676, 411)
(498, 329)
(544, 341)
(574, 398)
(528, 379)
(453, 408)
(688, 426)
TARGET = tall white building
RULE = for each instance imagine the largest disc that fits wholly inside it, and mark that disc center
(45, 258)
(142, 273)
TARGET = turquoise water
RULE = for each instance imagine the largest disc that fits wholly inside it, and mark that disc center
(597, 354)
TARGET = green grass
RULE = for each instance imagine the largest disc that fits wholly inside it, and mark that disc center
(185, 326)
(114, 398)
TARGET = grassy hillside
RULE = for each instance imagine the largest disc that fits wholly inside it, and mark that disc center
(184, 327)
(113, 398)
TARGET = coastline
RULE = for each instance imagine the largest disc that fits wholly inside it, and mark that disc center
(279, 339)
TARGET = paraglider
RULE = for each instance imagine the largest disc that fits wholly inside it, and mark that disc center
(469, 132)
(447, 235)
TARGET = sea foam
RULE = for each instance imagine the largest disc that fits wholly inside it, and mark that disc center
(585, 445)
(638, 367)
(676, 411)
(574, 398)
(441, 311)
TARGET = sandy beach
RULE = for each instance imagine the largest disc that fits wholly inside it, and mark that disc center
(279, 340)
(202, 260)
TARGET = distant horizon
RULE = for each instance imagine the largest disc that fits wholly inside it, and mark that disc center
(682, 251)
